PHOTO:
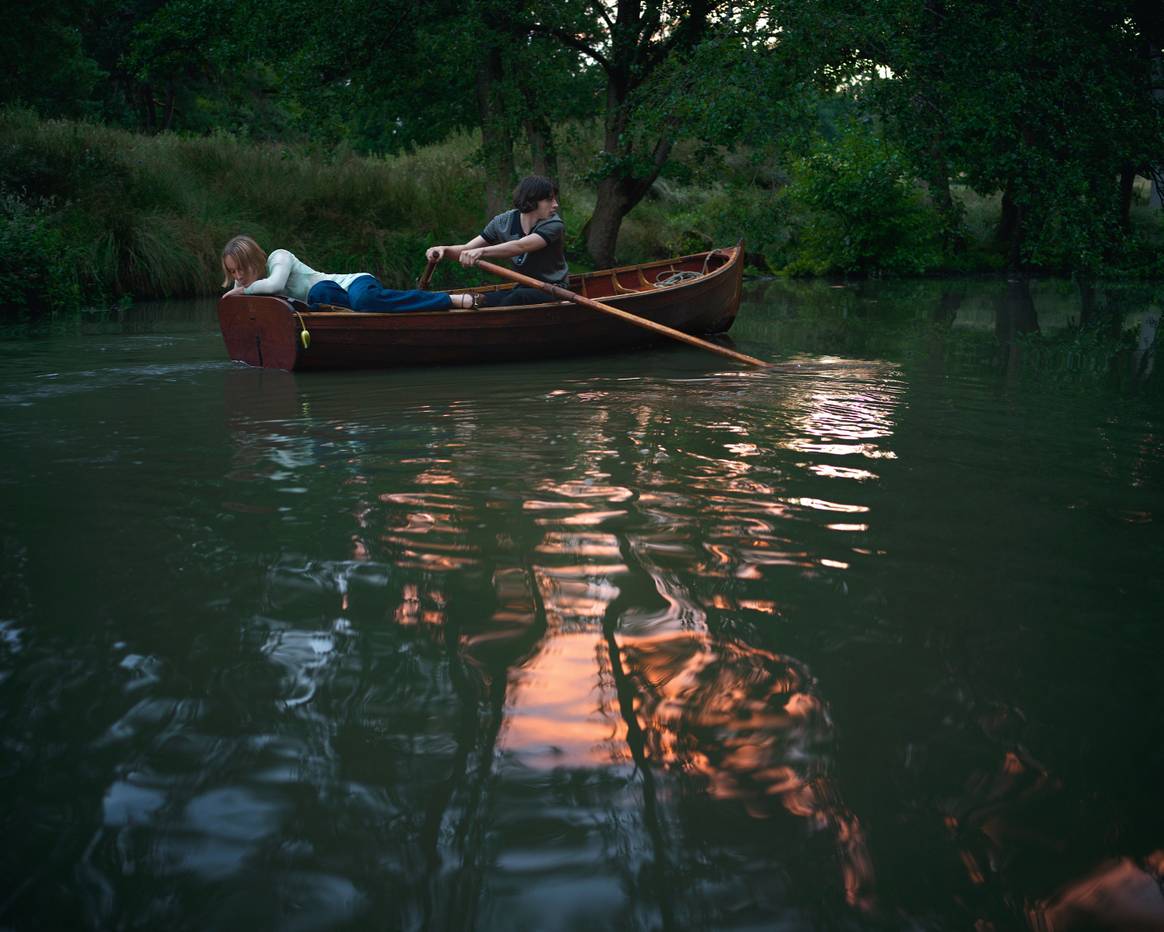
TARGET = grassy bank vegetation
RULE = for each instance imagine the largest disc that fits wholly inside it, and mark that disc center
(92, 215)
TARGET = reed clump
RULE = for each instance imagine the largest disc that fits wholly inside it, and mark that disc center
(94, 215)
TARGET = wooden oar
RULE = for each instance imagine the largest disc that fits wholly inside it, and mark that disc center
(565, 295)
(422, 282)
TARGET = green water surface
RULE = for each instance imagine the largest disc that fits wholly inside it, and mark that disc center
(867, 640)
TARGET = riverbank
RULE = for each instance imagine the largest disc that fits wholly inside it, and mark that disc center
(91, 215)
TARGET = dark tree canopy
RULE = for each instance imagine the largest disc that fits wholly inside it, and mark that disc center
(1054, 106)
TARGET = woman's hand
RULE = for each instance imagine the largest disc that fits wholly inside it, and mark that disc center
(237, 289)
(469, 257)
(436, 253)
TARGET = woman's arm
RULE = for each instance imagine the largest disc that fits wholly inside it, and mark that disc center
(454, 252)
(531, 243)
(279, 266)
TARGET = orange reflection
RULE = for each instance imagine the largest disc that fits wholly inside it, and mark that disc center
(434, 477)
(557, 714)
(841, 472)
(746, 724)
(585, 519)
(579, 681)
(749, 724)
(1118, 895)
(588, 488)
(580, 544)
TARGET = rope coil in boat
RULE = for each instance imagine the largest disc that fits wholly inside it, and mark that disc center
(675, 278)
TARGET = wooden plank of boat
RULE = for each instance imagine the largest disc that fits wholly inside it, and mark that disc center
(698, 294)
(603, 308)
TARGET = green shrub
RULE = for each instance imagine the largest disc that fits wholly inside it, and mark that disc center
(859, 211)
(40, 268)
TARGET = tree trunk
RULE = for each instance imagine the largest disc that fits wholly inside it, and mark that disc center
(1127, 181)
(617, 196)
(538, 132)
(601, 230)
(939, 186)
(938, 177)
(168, 113)
(543, 152)
(631, 34)
(1010, 228)
(496, 137)
(149, 115)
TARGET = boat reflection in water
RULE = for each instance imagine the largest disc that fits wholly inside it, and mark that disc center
(540, 669)
(581, 721)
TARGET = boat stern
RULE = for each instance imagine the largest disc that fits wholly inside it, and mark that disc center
(259, 331)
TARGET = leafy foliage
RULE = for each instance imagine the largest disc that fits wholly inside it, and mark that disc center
(40, 267)
(1047, 103)
(692, 116)
(862, 213)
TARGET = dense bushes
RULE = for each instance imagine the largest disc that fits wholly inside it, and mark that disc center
(89, 215)
(39, 267)
(860, 212)
(93, 215)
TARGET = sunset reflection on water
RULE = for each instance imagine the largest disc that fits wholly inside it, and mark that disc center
(639, 641)
(620, 594)
(656, 652)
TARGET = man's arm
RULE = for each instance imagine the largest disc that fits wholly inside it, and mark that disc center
(531, 243)
(454, 252)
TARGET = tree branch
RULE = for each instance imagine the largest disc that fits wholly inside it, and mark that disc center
(572, 41)
(598, 8)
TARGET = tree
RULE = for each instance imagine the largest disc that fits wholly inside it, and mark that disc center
(48, 66)
(389, 75)
(630, 41)
(169, 57)
(1046, 103)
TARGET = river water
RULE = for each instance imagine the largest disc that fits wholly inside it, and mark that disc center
(867, 640)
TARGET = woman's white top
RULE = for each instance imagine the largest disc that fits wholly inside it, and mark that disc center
(286, 275)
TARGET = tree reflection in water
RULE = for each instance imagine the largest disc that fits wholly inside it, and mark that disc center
(631, 680)
(542, 652)
(560, 695)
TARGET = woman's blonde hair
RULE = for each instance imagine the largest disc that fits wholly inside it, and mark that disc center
(247, 254)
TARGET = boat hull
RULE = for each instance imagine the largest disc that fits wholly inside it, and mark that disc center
(269, 331)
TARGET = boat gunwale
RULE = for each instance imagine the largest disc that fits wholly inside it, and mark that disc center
(732, 254)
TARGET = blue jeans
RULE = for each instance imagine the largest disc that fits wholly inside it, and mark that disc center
(367, 294)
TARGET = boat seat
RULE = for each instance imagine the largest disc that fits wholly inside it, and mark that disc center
(619, 287)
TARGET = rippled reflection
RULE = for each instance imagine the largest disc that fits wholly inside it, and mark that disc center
(582, 665)
(503, 609)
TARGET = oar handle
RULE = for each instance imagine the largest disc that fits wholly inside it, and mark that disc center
(567, 295)
(422, 282)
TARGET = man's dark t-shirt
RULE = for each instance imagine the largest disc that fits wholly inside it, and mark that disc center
(548, 264)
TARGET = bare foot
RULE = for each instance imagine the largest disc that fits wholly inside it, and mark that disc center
(462, 302)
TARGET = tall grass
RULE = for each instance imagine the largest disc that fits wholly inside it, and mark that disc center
(93, 215)
(146, 216)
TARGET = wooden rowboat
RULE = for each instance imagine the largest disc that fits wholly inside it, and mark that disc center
(697, 294)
